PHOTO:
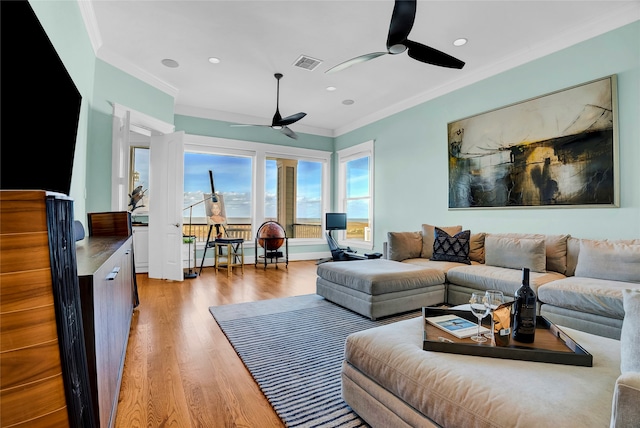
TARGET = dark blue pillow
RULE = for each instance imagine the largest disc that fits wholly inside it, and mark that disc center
(448, 248)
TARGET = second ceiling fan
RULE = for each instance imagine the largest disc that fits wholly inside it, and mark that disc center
(402, 18)
(281, 123)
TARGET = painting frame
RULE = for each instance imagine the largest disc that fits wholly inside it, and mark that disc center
(557, 150)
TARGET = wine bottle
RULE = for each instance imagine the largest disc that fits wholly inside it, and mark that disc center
(524, 318)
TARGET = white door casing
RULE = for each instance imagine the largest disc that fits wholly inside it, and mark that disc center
(166, 178)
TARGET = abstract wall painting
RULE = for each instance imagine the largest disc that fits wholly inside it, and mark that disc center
(556, 150)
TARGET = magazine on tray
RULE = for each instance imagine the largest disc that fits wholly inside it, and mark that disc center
(459, 327)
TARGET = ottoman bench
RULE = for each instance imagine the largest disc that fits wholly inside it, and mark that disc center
(390, 381)
(379, 287)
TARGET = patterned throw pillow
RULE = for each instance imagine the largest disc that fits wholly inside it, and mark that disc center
(451, 248)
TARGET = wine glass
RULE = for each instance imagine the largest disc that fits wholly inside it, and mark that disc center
(494, 298)
(480, 310)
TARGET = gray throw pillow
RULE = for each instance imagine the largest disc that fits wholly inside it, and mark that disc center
(630, 336)
(515, 253)
(403, 245)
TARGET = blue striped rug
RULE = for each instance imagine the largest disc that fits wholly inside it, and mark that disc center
(294, 348)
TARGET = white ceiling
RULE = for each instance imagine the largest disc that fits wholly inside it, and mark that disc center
(255, 39)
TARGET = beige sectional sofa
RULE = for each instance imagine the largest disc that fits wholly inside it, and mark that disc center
(591, 288)
(578, 282)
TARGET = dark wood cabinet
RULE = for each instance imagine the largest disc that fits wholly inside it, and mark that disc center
(105, 272)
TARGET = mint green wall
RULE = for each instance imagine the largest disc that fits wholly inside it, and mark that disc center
(411, 160)
(114, 86)
(216, 128)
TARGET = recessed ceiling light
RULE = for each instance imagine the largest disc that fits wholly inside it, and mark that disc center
(348, 102)
(214, 60)
(170, 63)
(460, 42)
(331, 88)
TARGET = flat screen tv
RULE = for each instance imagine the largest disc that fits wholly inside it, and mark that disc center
(336, 221)
(40, 105)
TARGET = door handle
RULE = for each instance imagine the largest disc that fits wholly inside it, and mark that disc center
(177, 225)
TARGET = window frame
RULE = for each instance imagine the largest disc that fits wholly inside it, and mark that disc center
(344, 156)
(259, 152)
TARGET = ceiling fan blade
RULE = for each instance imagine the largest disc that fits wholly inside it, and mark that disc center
(288, 132)
(354, 61)
(433, 56)
(292, 119)
(402, 18)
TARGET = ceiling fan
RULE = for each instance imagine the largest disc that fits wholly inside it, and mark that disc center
(404, 13)
(279, 123)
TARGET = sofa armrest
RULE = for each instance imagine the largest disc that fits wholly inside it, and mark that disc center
(625, 412)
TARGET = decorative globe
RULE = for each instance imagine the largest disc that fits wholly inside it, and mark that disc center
(271, 230)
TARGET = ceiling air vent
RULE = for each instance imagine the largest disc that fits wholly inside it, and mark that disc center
(307, 62)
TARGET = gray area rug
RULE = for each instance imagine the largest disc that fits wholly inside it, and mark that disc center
(294, 348)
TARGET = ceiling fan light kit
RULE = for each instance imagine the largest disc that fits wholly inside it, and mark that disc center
(402, 19)
(278, 122)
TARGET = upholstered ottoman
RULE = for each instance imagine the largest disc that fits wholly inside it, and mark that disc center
(391, 382)
(379, 287)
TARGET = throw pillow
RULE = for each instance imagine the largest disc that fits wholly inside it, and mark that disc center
(476, 247)
(403, 245)
(616, 261)
(515, 253)
(629, 337)
(428, 237)
(447, 248)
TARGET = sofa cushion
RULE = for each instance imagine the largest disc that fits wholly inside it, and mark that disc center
(403, 245)
(476, 247)
(588, 295)
(515, 253)
(507, 280)
(379, 276)
(555, 248)
(573, 250)
(447, 248)
(609, 260)
(428, 237)
(441, 266)
(630, 335)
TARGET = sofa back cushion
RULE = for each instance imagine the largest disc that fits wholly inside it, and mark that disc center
(573, 251)
(555, 248)
(616, 261)
(428, 238)
(515, 253)
(476, 247)
(403, 245)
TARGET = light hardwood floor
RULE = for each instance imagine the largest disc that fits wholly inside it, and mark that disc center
(180, 370)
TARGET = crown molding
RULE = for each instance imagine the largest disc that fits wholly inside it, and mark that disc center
(91, 24)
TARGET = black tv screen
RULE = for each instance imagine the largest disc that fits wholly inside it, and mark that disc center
(336, 221)
(40, 105)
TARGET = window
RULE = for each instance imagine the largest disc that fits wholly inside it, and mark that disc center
(138, 202)
(258, 182)
(355, 197)
(293, 196)
(232, 180)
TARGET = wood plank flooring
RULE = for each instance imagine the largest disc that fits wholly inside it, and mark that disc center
(180, 370)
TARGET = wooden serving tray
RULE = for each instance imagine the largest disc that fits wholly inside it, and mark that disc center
(551, 344)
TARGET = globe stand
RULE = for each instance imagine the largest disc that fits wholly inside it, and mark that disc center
(270, 237)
